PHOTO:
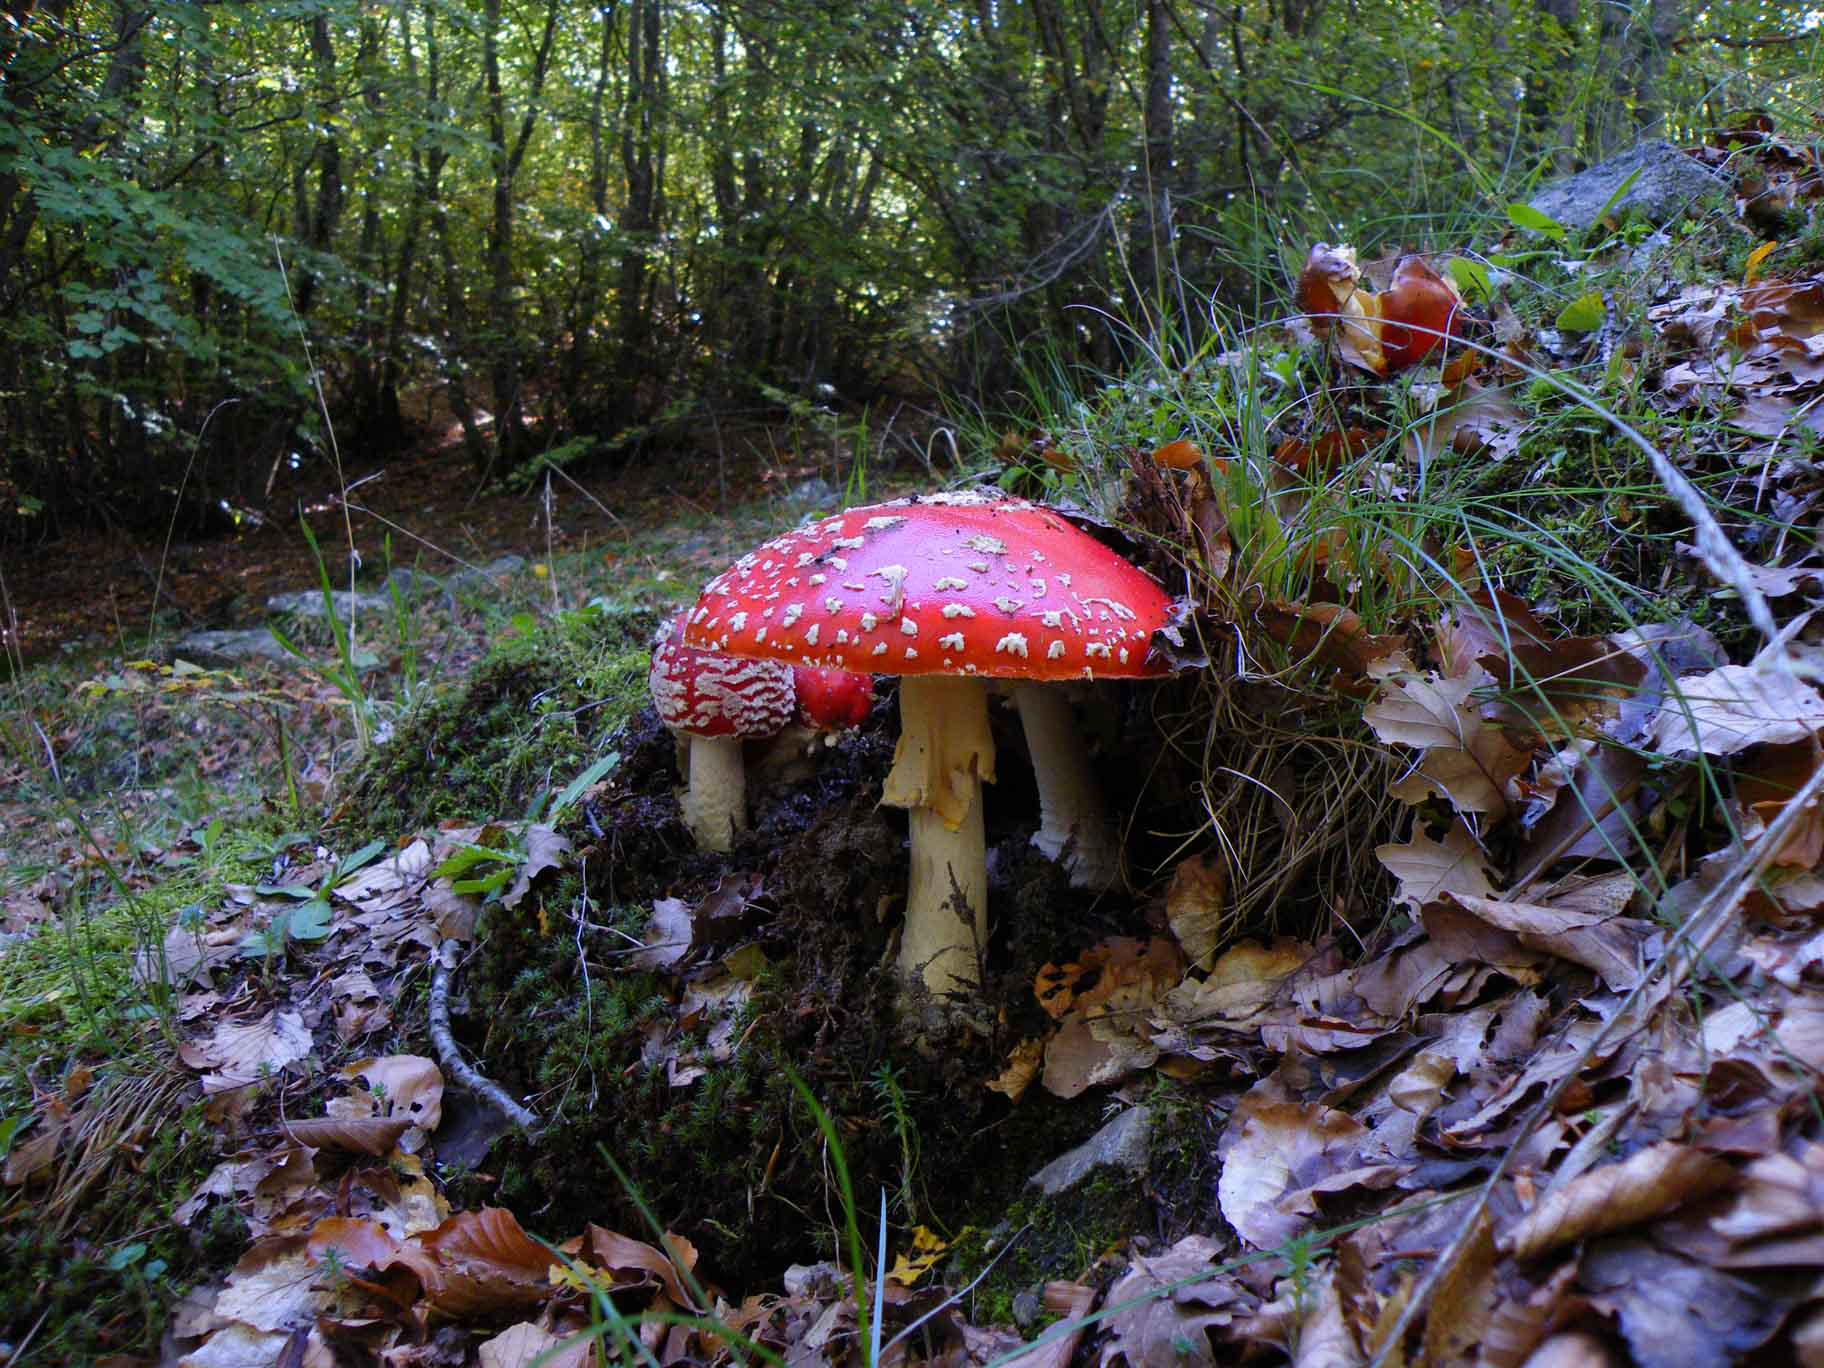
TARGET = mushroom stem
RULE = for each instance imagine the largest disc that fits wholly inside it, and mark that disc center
(715, 803)
(945, 753)
(938, 943)
(1071, 809)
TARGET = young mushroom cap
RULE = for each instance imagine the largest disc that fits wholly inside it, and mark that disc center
(947, 591)
(716, 702)
(832, 700)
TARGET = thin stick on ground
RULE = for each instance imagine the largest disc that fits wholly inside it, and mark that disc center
(450, 1059)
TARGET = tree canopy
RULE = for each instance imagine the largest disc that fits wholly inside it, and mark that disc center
(535, 221)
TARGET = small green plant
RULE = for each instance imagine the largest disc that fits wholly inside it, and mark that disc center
(309, 920)
(897, 1113)
(141, 1272)
(405, 626)
(345, 672)
(483, 870)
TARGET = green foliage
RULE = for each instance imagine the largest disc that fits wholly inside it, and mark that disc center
(309, 920)
(667, 208)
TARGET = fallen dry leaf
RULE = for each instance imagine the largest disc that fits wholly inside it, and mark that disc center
(1675, 1312)
(373, 1136)
(1023, 1065)
(274, 1286)
(545, 849)
(1195, 907)
(410, 1086)
(1472, 420)
(909, 1266)
(526, 1344)
(1464, 758)
(623, 1255)
(1427, 869)
(1273, 1153)
(1767, 782)
(1149, 1327)
(1737, 706)
(478, 1263)
(667, 936)
(1649, 1183)
(1614, 947)
(247, 1053)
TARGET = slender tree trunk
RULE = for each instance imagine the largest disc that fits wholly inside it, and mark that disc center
(1545, 108)
(1153, 260)
(319, 215)
(585, 311)
(639, 162)
(506, 369)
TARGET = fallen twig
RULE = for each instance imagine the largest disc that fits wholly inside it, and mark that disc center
(450, 1059)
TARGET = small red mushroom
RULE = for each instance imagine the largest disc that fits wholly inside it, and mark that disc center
(1419, 310)
(715, 702)
(951, 591)
(832, 700)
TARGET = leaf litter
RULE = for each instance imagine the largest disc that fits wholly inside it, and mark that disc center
(1657, 1177)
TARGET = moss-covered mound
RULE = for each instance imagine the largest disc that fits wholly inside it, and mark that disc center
(639, 1063)
(526, 721)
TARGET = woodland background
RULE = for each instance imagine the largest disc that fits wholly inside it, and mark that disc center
(556, 229)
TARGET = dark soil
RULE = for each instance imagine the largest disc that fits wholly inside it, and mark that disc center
(734, 1161)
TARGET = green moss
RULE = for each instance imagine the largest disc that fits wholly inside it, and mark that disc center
(1065, 1236)
(1053, 1237)
(112, 1289)
(527, 720)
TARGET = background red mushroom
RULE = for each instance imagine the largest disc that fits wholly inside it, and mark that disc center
(715, 702)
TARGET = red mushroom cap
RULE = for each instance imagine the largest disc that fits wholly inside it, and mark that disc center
(1427, 301)
(833, 700)
(961, 583)
(706, 693)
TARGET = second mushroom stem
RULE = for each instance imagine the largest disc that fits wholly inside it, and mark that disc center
(1071, 808)
(715, 802)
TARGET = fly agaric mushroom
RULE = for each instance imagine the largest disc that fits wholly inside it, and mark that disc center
(951, 591)
(715, 702)
(1419, 310)
(832, 701)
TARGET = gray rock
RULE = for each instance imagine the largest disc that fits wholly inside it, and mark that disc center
(1121, 1144)
(490, 575)
(225, 650)
(309, 603)
(1669, 183)
(1028, 1306)
(222, 650)
(813, 493)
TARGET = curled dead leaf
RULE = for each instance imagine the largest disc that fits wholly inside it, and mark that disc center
(1427, 869)
(1649, 1183)
(374, 1136)
(1023, 1066)
(1196, 907)
(1182, 454)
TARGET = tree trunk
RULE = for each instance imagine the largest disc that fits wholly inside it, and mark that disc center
(1153, 276)
(639, 160)
(506, 369)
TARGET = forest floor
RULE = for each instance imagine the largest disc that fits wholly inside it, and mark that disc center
(1463, 1002)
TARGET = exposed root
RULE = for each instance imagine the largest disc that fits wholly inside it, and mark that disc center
(450, 1059)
